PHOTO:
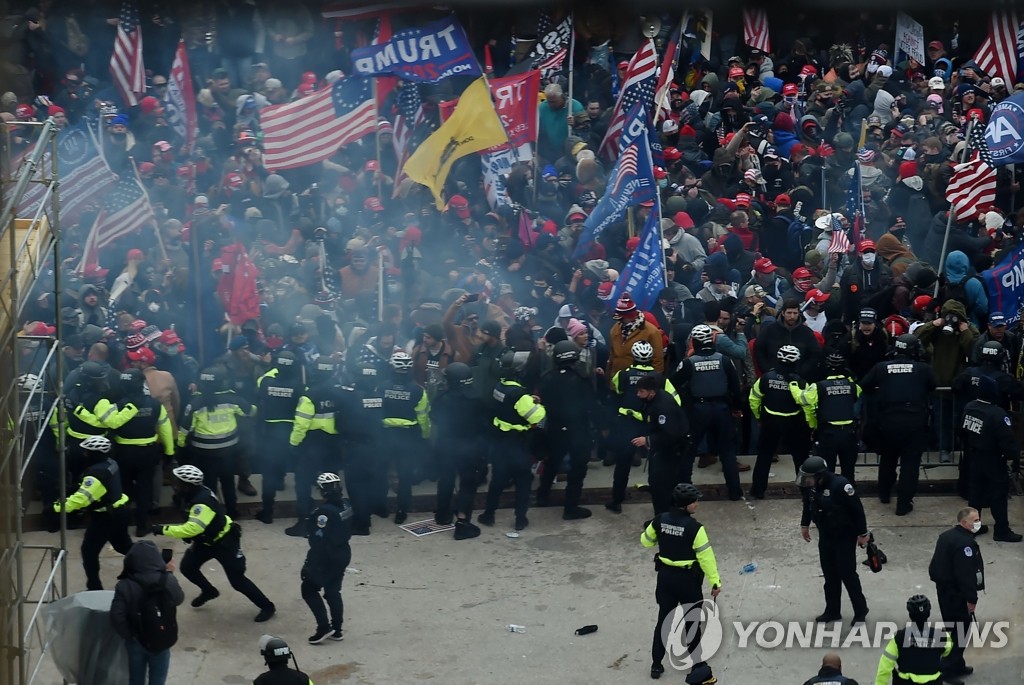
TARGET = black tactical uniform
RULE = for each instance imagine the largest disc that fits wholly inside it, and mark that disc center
(988, 436)
(915, 653)
(904, 387)
(361, 408)
(773, 401)
(834, 401)
(406, 425)
(572, 407)
(328, 530)
(836, 510)
(958, 572)
(276, 399)
(315, 445)
(710, 388)
(666, 435)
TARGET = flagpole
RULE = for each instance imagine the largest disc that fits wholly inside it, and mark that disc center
(376, 132)
(196, 269)
(675, 66)
(569, 60)
(949, 218)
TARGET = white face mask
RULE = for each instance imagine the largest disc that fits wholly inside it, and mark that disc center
(869, 259)
(153, 307)
(872, 67)
(976, 526)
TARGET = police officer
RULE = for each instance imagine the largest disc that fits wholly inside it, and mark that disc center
(833, 505)
(958, 572)
(988, 436)
(87, 407)
(459, 423)
(360, 417)
(684, 558)
(711, 388)
(100, 494)
(275, 653)
(213, 535)
(966, 388)
(142, 431)
(572, 407)
(774, 402)
(665, 440)
(314, 438)
(915, 652)
(406, 425)
(834, 403)
(904, 385)
(209, 433)
(328, 530)
(516, 413)
(277, 397)
(629, 421)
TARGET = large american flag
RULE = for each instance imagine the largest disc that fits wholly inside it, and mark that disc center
(999, 55)
(126, 63)
(638, 86)
(126, 210)
(410, 116)
(973, 186)
(310, 129)
(755, 29)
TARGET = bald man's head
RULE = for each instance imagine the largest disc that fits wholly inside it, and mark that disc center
(99, 352)
(832, 660)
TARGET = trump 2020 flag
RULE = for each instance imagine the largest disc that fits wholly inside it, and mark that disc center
(644, 275)
(472, 127)
(426, 54)
(631, 181)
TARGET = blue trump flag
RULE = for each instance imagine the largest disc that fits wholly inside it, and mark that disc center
(1004, 284)
(1005, 131)
(631, 181)
(644, 275)
(426, 54)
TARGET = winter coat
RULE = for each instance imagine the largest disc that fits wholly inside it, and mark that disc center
(949, 353)
(143, 567)
(957, 271)
(620, 351)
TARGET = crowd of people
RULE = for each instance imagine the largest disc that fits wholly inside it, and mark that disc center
(800, 305)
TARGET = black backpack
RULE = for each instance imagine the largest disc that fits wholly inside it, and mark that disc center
(157, 617)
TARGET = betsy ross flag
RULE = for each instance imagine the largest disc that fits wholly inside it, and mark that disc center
(126, 63)
(973, 186)
(755, 29)
(1000, 54)
(637, 88)
(310, 129)
(126, 210)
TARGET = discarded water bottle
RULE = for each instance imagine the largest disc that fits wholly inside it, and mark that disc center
(749, 568)
(513, 628)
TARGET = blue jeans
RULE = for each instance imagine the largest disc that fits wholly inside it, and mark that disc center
(139, 661)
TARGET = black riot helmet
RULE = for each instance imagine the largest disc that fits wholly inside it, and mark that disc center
(812, 469)
(907, 345)
(566, 353)
(274, 650)
(94, 375)
(992, 353)
(133, 382)
(287, 364)
(458, 375)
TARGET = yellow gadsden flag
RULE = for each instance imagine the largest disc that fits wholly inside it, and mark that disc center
(472, 127)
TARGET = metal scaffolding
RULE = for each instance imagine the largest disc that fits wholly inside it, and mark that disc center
(31, 575)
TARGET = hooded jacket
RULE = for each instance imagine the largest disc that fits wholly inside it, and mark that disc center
(957, 271)
(949, 352)
(143, 567)
(785, 136)
(894, 253)
(97, 315)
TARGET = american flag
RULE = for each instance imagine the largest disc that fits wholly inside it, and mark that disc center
(839, 243)
(637, 87)
(855, 203)
(627, 168)
(755, 29)
(410, 116)
(126, 63)
(126, 210)
(999, 55)
(973, 186)
(310, 129)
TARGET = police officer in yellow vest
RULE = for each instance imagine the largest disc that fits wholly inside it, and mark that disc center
(629, 423)
(100, 494)
(142, 431)
(834, 402)
(683, 560)
(914, 652)
(213, 535)
(406, 427)
(277, 396)
(517, 412)
(209, 432)
(315, 446)
(774, 402)
(87, 406)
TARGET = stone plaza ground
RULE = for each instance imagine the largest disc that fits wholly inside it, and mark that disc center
(431, 609)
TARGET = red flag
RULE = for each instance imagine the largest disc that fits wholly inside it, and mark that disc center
(181, 98)
(126, 63)
(755, 29)
(237, 287)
